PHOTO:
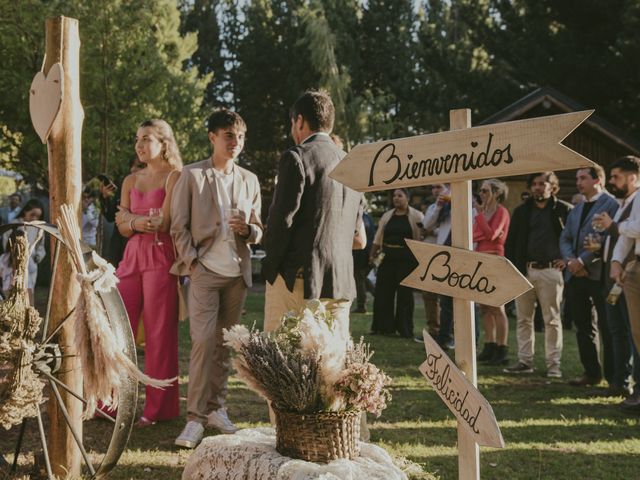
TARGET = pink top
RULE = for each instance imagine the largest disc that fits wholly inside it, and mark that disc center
(141, 253)
(490, 236)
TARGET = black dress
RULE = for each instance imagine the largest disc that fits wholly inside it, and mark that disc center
(398, 262)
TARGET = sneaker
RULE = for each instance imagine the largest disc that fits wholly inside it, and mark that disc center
(191, 435)
(418, 339)
(518, 368)
(219, 419)
(554, 372)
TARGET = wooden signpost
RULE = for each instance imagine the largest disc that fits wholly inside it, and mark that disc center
(503, 149)
(463, 399)
(457, 157)
(479, 277)
(58, 121)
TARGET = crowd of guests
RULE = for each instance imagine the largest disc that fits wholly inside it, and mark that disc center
(582, 260)
(198, 222)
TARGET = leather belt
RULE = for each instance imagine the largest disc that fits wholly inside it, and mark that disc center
(539, 265)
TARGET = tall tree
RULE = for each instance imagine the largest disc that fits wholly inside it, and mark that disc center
(201, 17)
(387, 78)
(132, 68)
(586, 49)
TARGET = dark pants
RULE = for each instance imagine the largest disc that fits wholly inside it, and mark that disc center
(589, 331)
(362, 284)
(625, 355)
(390, 293)
(445, 336)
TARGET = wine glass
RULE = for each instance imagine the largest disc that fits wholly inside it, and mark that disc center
(155, 217)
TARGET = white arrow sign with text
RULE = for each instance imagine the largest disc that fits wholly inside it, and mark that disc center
(498, 150)
(463, 399)
(456, 272)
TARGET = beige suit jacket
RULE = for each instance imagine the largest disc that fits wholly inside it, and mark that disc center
(196, 216)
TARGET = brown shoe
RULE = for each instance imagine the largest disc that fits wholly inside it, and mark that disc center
(584, 381)
(632, 402)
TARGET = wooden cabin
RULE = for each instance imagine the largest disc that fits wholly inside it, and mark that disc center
(596, 138)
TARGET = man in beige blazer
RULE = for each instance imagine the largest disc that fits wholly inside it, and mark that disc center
(215, 215)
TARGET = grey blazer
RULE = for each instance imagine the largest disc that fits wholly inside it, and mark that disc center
(196, 215)
(572, 237)
(311, 223)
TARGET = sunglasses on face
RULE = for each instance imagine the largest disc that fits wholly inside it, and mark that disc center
(485, 190)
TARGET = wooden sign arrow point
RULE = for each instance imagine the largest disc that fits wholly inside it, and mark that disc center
(497, 150)
(456, 272)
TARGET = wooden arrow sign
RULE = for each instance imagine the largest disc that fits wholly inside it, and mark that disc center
(456, 272)
(463, 399)
(498, 150)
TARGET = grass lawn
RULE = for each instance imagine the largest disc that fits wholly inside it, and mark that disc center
(551, 430)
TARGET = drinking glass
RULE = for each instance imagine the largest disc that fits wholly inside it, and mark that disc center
(229, 213)
(155, 217)
(596, 225)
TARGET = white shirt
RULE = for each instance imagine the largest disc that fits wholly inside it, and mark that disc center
(629, 235)
(616, 217)
(430, 222)
(90, 225)
(223, 257)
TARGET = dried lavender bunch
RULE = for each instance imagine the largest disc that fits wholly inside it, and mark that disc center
(289, 379)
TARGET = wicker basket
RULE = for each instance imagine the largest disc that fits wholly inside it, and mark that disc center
(318, 437)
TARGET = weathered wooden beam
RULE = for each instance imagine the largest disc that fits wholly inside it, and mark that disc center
(65, 186)
(463, 314)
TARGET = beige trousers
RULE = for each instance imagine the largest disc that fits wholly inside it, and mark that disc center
(631, 288)
(547, 290)
(215, 302)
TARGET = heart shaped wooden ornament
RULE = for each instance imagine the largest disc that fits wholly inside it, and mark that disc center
(45, 98)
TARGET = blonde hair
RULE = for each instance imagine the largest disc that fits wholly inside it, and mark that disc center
(498, 188)
(163, 131)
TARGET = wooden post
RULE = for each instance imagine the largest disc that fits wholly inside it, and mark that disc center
(463, 314)
(65, 186)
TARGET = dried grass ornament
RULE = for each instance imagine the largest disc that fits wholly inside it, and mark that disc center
(21, 387)
(101, 351)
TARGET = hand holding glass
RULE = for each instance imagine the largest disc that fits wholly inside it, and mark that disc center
(155, 218)
(235, 220)
(596, 223)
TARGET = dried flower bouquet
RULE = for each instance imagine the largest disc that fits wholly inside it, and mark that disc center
(309, 364)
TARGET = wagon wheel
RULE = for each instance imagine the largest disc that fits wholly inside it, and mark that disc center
(46, 362)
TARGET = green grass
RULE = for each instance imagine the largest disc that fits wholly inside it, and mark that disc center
(551, 430)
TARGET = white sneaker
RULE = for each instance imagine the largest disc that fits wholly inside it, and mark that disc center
(191, 435)
(219, 419)
(554, 372)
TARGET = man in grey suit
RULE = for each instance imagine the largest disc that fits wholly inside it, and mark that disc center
(312, 220)
(215, 215)
(582, 276)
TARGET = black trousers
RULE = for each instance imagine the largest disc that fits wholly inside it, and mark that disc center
(362, 284)
(390, 296)
(581, 294)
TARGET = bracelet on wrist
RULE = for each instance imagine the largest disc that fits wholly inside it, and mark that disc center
(132, 226)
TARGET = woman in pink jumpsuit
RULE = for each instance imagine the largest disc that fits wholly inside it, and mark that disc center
(146, 286)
